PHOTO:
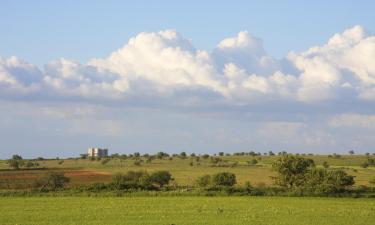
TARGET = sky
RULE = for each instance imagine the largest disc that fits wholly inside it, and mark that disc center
(202, 77)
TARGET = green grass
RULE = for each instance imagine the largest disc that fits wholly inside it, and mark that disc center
(187, 210)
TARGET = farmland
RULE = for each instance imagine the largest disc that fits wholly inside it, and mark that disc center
(187, 210)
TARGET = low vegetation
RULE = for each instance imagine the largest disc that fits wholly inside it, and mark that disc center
(237, 174)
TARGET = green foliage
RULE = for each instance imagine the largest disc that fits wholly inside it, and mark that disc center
(52, 181)
(291, 170)
(141, 180)
(325, 181)
(325, 165)
(15, 164)
(160, 178)
(224, 179)
(17, 157)
(203, 181)
(252, 162)
(131, 180)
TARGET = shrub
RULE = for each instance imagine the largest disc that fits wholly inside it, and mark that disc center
(325, 165)
(252, 162)
(15, 164)
(324, 181)
(131, 180)
(224, 179)
(203, 181)
(52, 181)
(364, 165)
(160, 178)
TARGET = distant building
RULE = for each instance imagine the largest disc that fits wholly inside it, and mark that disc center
(97, 152)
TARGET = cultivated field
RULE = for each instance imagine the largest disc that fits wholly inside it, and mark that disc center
(187, 210)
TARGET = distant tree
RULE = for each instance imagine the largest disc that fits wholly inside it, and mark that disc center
(224, 179)
(15, 164)
(131, 180)
(205, 156)
(17, 157)
(53, 181)
(291, 170)
(137, 154)
(367, 154)
(322, 180)
(30, 164)
(252, 162)
(183, 155)
(160, 178)
(203, 181)
(161, 155)
(221, 153)
(351, 152)
(271, 153)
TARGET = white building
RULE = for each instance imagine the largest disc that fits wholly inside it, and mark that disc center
(97, 152)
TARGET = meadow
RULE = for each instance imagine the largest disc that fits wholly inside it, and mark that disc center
(187, 210)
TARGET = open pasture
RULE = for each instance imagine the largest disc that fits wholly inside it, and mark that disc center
(187, 210)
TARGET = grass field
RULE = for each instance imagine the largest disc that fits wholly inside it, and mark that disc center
(187, 210)
(83, 171)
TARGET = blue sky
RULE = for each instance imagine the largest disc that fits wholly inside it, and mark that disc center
(41, 31)
(186, 76)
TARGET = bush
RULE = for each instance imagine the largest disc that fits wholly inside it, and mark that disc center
(224, 179)
(160, 178)
(324, 181)
(52, 181)
(203, 181)
(364, 165)
(252, 162)
(131, 180)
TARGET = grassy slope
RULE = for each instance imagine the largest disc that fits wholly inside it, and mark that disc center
(187, 210)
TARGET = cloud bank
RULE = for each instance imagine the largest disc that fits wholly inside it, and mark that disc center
(166, 66)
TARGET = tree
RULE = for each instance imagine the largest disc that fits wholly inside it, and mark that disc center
(15, 164)
(224, 179)
(291, 170)
(160, 178)
(17, 157)
(221, 153)
(364, 165)
(53, 181)
(252, 162)
(183, 155)
(131, 180)
(203, 181)
(351, 152)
